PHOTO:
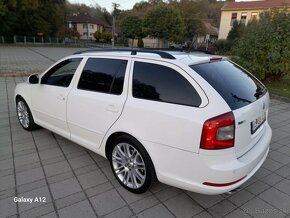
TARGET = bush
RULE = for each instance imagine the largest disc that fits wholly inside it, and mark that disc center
(103, 36)
(223, 46)
(264, 46)
(140, 43)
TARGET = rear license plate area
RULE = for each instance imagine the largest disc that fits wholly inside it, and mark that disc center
(255, 124)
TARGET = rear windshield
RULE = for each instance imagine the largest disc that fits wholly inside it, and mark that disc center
(237, 87)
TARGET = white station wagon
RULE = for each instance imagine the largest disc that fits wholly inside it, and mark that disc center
(191, 120)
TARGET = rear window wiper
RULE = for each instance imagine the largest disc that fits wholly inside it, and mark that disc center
(240, 99)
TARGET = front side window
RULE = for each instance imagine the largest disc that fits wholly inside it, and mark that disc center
(62, 73)
(160, 83)
(234, 18)
(103, 75)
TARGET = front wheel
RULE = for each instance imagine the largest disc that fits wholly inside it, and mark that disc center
(131, 164)
(24, 115)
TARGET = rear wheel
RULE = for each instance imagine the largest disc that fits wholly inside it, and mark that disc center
(131, 164)
(24, 115)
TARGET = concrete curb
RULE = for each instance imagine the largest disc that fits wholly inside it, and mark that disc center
(281, 98)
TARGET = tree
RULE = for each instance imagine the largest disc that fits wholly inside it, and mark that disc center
(132, 27)
(164, 22)
(66, 32)
(236, 31)
(103, 36)
(197, 14)
(29, 17)
(264, 47)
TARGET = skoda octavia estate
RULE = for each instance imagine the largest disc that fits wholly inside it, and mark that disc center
(191, 120)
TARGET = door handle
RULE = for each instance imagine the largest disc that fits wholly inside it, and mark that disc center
(61, 97)
(112, 108)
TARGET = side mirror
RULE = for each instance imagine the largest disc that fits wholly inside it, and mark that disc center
(33, 79)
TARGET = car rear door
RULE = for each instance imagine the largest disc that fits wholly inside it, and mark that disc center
(165, 105)
(97, 99)
(246, 96)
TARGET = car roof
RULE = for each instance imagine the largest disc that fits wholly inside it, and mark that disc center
(187, 58)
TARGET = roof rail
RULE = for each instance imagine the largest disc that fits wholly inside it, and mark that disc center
(162, 54)
(186, 50)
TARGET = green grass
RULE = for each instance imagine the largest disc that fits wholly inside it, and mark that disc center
(281, 88)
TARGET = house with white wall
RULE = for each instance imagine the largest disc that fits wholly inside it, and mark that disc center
(85, 25)
(245, 12)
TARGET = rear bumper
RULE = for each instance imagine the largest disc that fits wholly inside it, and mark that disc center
(189, 171)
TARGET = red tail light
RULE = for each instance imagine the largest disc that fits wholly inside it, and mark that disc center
(218, 132)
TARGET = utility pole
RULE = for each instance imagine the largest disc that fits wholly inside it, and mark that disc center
(115, 6)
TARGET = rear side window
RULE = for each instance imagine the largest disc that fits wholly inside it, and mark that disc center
(160, 83)
(103, 75)
(237, 87)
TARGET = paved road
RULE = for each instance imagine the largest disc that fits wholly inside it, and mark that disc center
(28, 60)
(78, 183)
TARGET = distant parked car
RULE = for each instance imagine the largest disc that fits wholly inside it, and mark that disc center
(191, 120)
(179, 46)
(173, 45)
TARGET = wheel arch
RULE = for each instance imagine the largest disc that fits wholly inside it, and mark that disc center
(111, 138)
(115, 135)
(17, 97)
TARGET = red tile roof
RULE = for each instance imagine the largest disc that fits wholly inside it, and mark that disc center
(256, 4)
(84, 18)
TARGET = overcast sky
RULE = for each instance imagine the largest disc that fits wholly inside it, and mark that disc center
(124, 4)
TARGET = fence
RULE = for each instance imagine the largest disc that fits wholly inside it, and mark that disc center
(27, 40)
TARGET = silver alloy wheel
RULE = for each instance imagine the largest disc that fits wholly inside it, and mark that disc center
(129, 165)
(23, 115)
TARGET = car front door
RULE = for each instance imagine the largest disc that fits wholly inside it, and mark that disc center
(97, 99)
(49, 98)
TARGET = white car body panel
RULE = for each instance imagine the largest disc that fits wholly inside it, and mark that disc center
(170, 133)
(190, 170)
(165, 123)
(99, 113)
(244, 140)
(49, 104)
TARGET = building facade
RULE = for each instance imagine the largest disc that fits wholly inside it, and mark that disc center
(245, 12)
(85, 25)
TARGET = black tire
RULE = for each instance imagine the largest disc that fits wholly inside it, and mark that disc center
(20, 102)
(149, 167)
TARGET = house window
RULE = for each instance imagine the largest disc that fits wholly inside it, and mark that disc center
(85, 33)
(92, 26)
(244, 17)
(234, 18)
(85, 26)
(254, 15)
